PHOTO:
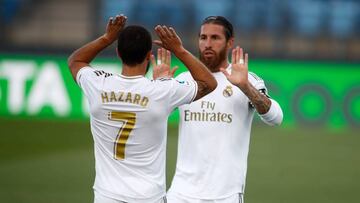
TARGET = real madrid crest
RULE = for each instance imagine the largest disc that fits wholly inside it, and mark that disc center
(228, 91)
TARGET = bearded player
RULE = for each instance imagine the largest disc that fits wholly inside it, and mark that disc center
(214, 131)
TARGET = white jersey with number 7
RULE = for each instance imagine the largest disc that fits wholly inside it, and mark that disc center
(128, 118)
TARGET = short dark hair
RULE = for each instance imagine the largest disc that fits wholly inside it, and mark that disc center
(220, 20)
(134, 42)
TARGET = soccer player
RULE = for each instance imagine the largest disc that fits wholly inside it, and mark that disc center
(128, 112)
(214, 131)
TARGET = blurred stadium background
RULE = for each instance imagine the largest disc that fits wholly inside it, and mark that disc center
(308, 52)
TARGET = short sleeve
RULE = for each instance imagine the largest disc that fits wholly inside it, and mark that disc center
(258, 83)
(182, 92)
(90, 80)
(85, 76)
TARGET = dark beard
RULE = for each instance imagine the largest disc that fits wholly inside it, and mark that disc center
(213, 64)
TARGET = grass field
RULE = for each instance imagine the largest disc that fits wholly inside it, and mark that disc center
(52, 162)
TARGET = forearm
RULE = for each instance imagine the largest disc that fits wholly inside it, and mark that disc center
(274, 116)
(197, 69)
(259, 101)
(87, 53)
(84, 55)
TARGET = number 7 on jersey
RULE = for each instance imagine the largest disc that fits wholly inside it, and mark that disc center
(128, 120)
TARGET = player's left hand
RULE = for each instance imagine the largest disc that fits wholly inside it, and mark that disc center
(114, 27)
(168, 39)
(161, 66)
(239, 68)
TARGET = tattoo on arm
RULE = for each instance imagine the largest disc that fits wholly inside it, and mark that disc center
(259, 101)
(202, 90)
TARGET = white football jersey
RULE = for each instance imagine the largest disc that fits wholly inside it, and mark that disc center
(128, 117)
(214, 136)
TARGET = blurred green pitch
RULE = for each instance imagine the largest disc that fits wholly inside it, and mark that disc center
(53, 162)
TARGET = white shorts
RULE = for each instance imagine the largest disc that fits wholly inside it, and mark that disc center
(99, 198)
(178, 198)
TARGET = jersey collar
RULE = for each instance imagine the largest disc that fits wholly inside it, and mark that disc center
(131, 77)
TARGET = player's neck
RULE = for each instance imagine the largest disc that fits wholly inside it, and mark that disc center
(223, 64)
(139, 69)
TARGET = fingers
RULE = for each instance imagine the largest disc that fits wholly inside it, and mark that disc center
(163, 55)
(115, 20)
(172, 72)
(168, 58)
(118, 20)
(224, 71)
(159, 56)
(160, 31)
(172, 31)
(168, 37)
(246, 58)
(233, 56)
(111, 20)
(241, 55)
(165, 32)
(123, 20)
(238, 56)
(152, 60)
(158, 42)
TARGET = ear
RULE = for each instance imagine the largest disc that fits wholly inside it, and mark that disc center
(230, 43)
(148, 56)
(118, 54)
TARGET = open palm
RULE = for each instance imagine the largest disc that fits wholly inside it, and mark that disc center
(161, 66)
(239, 68)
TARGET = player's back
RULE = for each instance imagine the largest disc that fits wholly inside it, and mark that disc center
(129, 124)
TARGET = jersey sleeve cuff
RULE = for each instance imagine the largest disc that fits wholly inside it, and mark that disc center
(195, 92)
(274, 116)
(80, 73)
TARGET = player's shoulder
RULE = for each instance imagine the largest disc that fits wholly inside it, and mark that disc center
(162, 80)
(160, 83)
(169, 81)
(254, 77)
(91, 72)
(102, 73)
(256, 81)
(184, 76)
(89, 75)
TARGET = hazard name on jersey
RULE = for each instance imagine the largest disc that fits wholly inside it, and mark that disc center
(207, 116)
(127, 97)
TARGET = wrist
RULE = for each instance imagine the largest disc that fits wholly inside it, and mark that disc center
(106, 39)
(245, 86)
(180, 52)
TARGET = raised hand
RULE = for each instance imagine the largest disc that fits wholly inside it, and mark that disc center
(161, 66)
(172, 42)
(168, 39)
(114, 27)
(239, 68)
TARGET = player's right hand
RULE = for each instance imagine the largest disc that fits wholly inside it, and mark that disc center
(114, 27)
(239, 69)
(168, 39)
(161, 66)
